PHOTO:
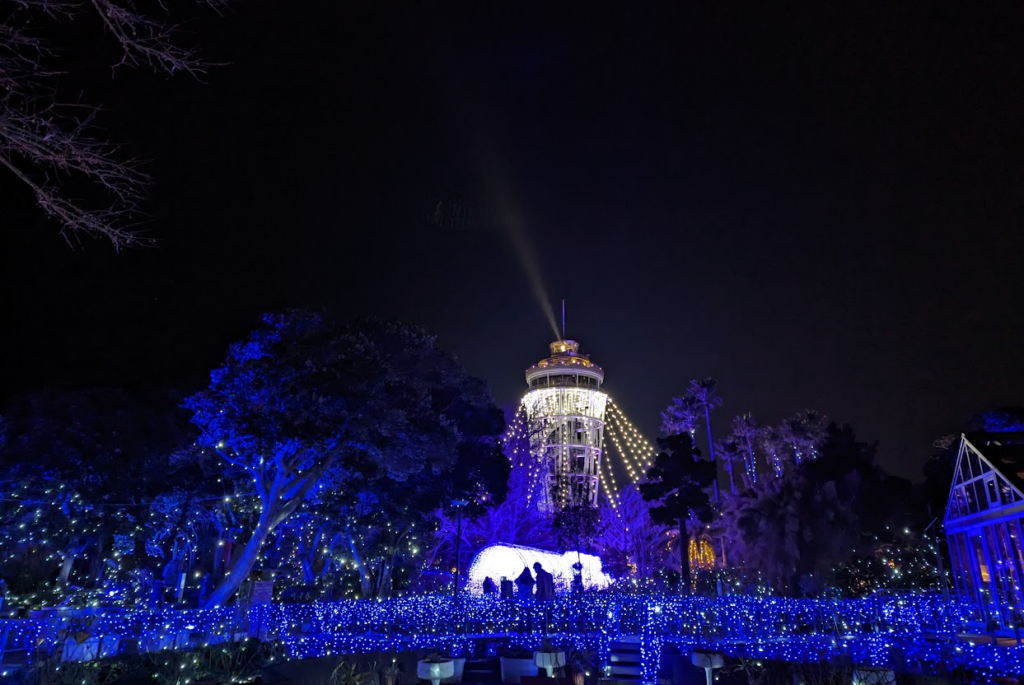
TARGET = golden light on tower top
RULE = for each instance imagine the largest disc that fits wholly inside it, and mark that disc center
(564, 346)
(565, 358)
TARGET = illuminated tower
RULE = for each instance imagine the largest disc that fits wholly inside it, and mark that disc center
(565, 409)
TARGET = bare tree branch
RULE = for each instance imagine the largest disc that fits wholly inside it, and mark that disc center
(53, 147)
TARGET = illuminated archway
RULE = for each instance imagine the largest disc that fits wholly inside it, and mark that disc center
(508, 561)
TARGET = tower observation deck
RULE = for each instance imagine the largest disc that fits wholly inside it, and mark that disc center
(565, 408)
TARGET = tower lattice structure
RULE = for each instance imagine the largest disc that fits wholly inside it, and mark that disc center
(565, 412)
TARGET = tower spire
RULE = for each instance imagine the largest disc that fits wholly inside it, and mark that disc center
(563, 319)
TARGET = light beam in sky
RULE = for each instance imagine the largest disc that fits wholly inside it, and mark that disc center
(511, 221)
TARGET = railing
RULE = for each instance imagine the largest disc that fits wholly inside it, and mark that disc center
(874, 631)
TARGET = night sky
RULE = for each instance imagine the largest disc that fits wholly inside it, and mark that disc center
(821, 209)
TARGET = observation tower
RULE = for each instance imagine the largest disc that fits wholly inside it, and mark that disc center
(565, 413)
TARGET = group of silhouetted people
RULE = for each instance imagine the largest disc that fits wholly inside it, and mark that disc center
(545, 583)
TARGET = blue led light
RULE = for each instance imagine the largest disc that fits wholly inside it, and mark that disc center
(915, 632)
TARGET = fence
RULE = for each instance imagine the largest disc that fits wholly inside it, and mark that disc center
(918, 629)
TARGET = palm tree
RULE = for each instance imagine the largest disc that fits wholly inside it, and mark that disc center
(815, 430)
(703, 393)
(804, 433)
(788, 527)
(745, 431)
(731, 452)
(682, 416)
(774, 445)
(762, 527)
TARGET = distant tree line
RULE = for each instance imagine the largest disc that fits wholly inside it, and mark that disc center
(318, 453)
(808, 510)
(345, 459)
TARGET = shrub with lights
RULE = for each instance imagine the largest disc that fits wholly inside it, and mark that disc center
(882, 631)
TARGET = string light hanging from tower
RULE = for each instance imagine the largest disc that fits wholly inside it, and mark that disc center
(559, 433)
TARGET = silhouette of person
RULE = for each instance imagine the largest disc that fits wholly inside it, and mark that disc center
(545, 583)
(525, 583)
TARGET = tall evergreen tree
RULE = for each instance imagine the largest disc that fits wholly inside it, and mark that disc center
(677, 482)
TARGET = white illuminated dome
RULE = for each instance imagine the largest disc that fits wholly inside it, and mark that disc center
(508, 561)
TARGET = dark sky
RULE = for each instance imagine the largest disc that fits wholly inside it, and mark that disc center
(820, 208)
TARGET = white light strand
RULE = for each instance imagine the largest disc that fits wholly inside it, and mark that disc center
(634, 475)
(643, 451)
(612, 491)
